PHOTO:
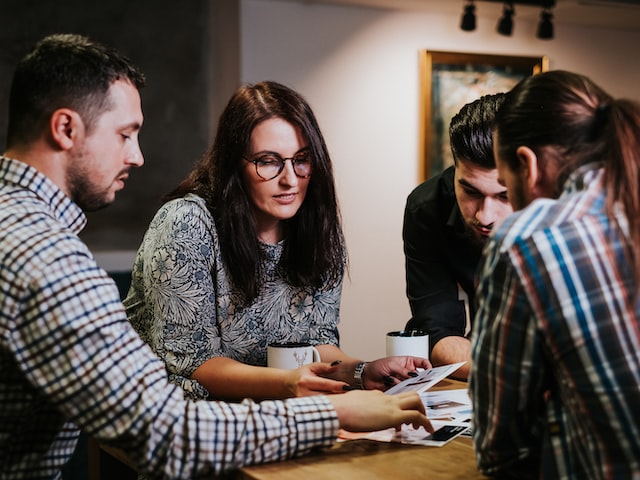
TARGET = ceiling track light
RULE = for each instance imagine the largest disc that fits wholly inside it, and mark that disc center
(468, 21)
(505, 24)
(545, 27)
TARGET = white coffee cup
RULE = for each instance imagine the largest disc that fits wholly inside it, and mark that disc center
(291, 355)
(414, 343)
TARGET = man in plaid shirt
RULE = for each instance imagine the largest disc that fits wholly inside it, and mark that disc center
(68, 358)
(556, 355)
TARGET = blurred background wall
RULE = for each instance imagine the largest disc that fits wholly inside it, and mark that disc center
(357, 66)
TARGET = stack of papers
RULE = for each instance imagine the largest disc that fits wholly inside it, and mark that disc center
(448, 410)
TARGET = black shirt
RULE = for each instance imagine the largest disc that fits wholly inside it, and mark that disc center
(439, 256)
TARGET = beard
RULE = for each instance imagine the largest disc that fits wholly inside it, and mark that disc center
(471, 235)
(518, 195)
(83, 191)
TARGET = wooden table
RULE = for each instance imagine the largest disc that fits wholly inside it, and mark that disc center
(370, 460)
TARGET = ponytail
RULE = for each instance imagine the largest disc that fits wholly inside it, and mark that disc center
(622, 129)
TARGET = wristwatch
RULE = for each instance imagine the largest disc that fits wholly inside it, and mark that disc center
(358, 375)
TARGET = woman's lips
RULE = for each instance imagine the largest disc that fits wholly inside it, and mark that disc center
(285, 198)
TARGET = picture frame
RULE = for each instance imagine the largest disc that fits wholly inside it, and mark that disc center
(448, 81)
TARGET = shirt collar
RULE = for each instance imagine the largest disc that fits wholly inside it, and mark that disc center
(15, 172)
(581, 178)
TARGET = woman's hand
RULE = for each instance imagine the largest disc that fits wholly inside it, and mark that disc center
(228, 379)
(384, 373)
(311, 380)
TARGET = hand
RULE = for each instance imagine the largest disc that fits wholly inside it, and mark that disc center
(368, 411)
(310, 380)
(385, 372)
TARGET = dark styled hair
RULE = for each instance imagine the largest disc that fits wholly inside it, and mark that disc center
(314, 251)
(471, 131)
(567, 119)
(64, 71)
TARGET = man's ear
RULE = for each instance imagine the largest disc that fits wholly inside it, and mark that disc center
(65, 126)
(528, 161)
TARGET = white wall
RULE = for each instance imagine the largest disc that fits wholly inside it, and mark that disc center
(358, 68)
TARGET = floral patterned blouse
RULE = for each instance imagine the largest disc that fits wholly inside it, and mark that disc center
(183, 305)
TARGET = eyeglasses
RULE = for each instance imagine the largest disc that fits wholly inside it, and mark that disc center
(270, 165)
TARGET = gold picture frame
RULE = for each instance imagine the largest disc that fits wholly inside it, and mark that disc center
(449, 80)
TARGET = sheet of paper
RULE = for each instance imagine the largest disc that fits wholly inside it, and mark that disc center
(444, 433)
(440, 437)
(449, 412)
(425, 379)
(451, 404)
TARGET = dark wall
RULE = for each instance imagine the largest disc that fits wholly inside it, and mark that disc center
(171, 42)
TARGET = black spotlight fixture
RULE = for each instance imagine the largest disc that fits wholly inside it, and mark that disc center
(505, 24)
(468, 22)
(545, 27)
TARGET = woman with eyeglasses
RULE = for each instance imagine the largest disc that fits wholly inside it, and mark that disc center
(247, 251)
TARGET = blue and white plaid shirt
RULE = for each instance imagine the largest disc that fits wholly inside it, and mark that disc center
(555, 375)
(69, 359)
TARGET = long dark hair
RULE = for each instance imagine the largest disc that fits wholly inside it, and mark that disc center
(314, 251)
(566, 118)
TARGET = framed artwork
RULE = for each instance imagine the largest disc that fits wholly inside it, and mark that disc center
(448, 81)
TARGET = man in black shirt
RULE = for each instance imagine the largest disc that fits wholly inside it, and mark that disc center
(447, 220)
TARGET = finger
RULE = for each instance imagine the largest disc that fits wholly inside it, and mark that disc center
(413, 411)
(323, 368)
(419, 362)
(412, 363)
(411, 366)
(422, 421)
(398, 375)
(412, 404)
(327, 385)
(410, 401)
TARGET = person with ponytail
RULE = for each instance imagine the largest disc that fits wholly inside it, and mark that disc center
(555, 379)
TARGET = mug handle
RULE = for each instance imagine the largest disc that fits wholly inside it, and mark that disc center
(316, 355)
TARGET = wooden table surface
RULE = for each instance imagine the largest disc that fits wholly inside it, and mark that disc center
(371, 460)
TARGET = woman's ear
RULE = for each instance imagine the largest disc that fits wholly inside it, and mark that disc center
(528, 161)
(65, 125)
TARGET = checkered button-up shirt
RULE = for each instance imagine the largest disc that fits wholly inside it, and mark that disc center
(69, 359)
(555, 374)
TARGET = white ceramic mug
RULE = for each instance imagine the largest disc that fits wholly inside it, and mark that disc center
(291, 355)
(414, 343)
